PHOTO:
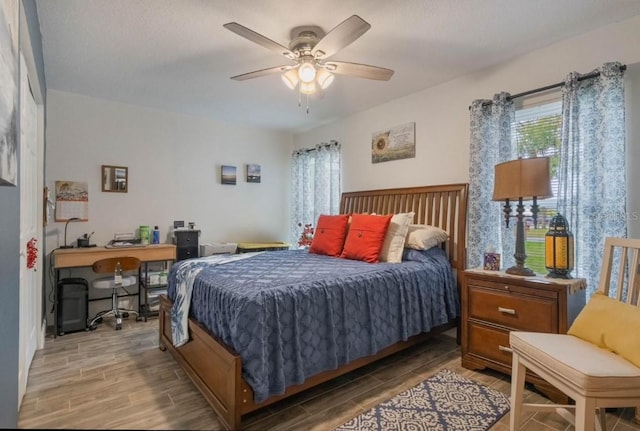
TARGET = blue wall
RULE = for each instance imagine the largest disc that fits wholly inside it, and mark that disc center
(9, 304)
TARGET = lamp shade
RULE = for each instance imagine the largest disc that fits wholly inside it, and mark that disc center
(522, 178)
(290, 78)
(307, 87)
(324, 78)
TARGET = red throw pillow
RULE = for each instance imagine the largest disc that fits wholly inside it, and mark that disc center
(329, 235)
(365, 237)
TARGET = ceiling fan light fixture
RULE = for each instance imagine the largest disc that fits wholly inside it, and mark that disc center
(324, 78)
(290, 78)
(308, 87)
(307, 72)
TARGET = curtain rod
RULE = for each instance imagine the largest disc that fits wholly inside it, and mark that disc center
(323, 144)
(550, 87)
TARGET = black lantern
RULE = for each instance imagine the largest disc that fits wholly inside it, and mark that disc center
(559, 248)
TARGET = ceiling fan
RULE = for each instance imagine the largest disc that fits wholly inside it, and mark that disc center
(310, 50)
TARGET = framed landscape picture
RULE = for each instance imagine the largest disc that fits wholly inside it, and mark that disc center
(253, 173)
(228, 175)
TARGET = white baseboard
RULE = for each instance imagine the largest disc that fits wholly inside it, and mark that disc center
(43, 334)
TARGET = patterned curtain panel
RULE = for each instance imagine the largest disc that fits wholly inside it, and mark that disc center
(490, 145)
(315, 186)
(592, 180)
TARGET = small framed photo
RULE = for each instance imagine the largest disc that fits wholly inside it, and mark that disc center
(228, 175)
(253, 173)
(492, 261)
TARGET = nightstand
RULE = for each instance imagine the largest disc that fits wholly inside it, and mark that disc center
(495, 303)
(186, 241)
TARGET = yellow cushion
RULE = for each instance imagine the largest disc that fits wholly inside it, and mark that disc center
(610, 324)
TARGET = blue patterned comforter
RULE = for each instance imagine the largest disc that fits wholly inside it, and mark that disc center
(291, 314)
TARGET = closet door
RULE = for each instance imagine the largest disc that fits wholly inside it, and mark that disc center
(30, 194)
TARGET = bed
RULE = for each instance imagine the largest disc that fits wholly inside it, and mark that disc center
(229, 383)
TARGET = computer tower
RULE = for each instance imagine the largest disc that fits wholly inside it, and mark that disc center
(72, 308)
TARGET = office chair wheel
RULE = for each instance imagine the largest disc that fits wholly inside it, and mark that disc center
(125, 315)
(93, 327)
(118, 326)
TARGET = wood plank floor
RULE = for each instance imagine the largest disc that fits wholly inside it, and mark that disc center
(111, 379)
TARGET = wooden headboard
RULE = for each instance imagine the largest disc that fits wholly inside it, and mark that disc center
(444, 206)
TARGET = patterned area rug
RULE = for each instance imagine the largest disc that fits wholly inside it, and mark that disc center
(445, 401)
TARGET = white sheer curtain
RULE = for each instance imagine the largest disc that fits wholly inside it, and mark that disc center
(490, 144)
(315, 185)
(592, 187)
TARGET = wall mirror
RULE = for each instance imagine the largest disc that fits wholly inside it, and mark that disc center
(115, 179)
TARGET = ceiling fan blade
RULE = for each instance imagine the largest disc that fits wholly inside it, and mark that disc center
(340, 36)
(247, 33)
(261, 72)
(359, 70)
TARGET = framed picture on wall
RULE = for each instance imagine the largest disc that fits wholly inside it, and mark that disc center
(253, 173)
(396, 143)
(228, 175)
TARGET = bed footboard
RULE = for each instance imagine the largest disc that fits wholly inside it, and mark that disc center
(216, 370)
(213, 368)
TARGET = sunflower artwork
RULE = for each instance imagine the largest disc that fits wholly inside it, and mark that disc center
(396, 143)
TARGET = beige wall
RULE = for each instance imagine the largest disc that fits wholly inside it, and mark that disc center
(442, 117)
(174, 170)
(174, 173)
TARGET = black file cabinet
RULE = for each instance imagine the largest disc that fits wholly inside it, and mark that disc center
(186, 242)
(72, 308)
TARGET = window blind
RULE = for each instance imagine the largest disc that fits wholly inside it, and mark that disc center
(536, 132)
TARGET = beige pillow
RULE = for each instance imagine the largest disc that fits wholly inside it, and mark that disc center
(424, 236)
(395, 237)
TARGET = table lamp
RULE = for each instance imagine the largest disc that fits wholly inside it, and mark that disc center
(522, 179)
(65, 232)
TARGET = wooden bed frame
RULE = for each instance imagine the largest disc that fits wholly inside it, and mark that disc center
(217, 370)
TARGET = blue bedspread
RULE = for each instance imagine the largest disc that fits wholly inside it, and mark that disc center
(291, 314)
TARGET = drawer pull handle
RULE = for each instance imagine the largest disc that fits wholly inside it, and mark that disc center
(506, 310)
(505, 349)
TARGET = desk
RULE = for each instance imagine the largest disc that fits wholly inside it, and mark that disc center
(83, 257)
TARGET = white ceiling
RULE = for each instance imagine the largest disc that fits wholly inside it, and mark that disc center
(175, 55)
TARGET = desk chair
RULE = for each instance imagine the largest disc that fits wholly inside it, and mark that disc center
(108, 266)
(597, 363)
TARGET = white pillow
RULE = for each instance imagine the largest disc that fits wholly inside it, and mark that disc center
(424, 236)
(395, 237)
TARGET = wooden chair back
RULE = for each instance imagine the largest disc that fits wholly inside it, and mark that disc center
(625, 253)
(127, 263)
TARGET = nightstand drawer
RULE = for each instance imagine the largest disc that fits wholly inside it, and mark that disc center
(186, 238)
(490, 343)
(512, 309)
(183, 253)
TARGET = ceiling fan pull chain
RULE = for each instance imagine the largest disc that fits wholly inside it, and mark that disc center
(307, 104)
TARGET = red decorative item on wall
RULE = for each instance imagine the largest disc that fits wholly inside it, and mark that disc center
(32, 253)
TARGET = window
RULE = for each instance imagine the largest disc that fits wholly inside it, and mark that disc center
(536, 132)
(315, 186)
